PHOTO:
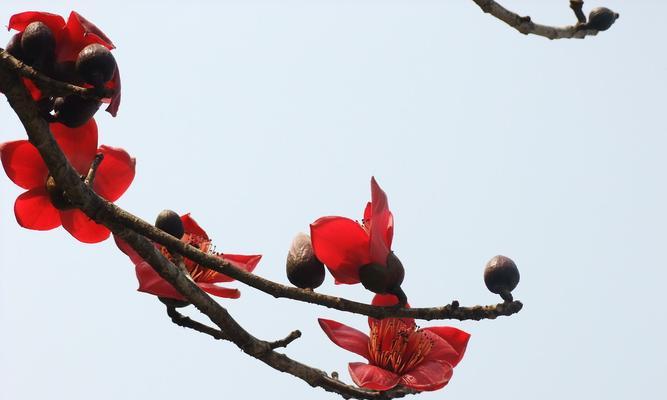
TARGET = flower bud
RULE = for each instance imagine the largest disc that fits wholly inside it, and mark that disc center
(95, 64)
(304, 270)
(74, 111)
(601, 18)
(170, 222)
(37, 42)
(380, 278)
(501, 276)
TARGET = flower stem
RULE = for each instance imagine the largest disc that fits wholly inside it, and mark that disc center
(90, 178)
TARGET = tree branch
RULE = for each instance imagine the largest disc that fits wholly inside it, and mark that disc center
(525, 25)
(102, 212)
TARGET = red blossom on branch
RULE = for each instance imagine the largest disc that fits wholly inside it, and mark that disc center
(398, 353)
(43, 206)
(344, 245)
(70, 38)
(206, 279)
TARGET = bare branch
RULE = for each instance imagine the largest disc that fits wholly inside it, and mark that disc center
(525, 25)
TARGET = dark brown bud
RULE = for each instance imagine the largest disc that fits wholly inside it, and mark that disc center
(37, 42)
(170, 222)
(95, 64)
(66, 71)
(74, 111)
(601, 18)
(304, 270)
(383, 279)
(501, 276)
(57, 195)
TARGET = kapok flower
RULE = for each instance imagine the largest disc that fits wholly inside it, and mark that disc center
(70, 38)
(398, 353)
(43, 207)
(206, 279)
(345, 246)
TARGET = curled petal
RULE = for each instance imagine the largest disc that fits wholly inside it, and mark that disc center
(427, 376)
(342, 245)
(382, 225)
(151, 282)
(441, 350)
(33, 210)
(128, 250)
(457, 338)
(20, 21)
(79, 25)
(346, 337)
(192, 227)
(115, 173)
(78, 144)
(114, 103)
(23, 164)
(219, 291)
(246, 263)
(82, 227)
(372, 377)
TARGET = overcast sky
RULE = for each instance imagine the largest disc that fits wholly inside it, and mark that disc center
(261, 116)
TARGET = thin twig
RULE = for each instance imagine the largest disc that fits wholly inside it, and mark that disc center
(578, 7)
(525, 25)
(90, 178)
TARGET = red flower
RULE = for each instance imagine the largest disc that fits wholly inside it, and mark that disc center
(71, 37)
(344, 245)
(398, 353)
(35, 208)
(206, 279)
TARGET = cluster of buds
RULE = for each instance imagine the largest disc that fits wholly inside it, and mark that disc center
(75, 52)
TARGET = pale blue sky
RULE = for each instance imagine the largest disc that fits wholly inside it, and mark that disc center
(261, 116)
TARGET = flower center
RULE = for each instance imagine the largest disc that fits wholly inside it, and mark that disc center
(397, 346)
(197, 272)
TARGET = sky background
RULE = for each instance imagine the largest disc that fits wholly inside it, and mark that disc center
(258, 117)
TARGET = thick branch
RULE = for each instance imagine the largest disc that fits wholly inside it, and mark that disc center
(525, 25)
(52, 86)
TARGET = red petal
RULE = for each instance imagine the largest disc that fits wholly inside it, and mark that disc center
(115, 100)
(457, 338)
(78, 144)
(20, 21)
(388, 300)
(342, 245)
(247, 263)
(441, 351)
(115, 174)
(382, 225)
(35, 92)
(372, 377)
(219, 291)
(79, 33)
(83, 228)
(23, 164)
(33, 210)
(348, 338)
(128, 250)
(192, 227)
(151, 282)
(427, 376)
(76, 22)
